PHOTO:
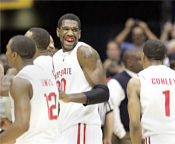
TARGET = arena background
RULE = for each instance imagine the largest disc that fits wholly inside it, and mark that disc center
(101, 20)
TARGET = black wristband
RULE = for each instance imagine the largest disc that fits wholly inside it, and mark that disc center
(99, 94)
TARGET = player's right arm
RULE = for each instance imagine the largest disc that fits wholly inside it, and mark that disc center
(21, 92)
(133, 93)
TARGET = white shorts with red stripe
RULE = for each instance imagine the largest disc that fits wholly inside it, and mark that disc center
(160, 139)
(81, 134)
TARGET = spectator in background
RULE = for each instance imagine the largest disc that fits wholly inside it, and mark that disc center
(170, 50)
(168, 30)
(107, 120)
(117, 87)
(3, 59)
(140, 32)
(112, 64)
(172, 60)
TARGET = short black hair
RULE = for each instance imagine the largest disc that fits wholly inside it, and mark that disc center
(41, 37)
(23, 46)
(130, 53)
(69, 16)
(154, 49)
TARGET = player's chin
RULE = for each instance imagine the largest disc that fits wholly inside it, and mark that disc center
(69, 47)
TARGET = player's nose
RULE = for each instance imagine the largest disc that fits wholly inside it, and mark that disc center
(70, 33)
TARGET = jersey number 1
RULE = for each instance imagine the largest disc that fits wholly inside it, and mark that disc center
(52, 107)
(167, 102)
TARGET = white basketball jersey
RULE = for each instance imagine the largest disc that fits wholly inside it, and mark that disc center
(43, 127)
(70, 78)
(45, 62)
(157, 99)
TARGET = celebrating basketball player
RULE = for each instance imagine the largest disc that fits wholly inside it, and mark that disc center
(80, 75)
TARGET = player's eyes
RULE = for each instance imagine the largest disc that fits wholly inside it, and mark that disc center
(75, 30)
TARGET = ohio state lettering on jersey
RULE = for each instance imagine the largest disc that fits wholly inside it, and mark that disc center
(64, 71)
(163, 81)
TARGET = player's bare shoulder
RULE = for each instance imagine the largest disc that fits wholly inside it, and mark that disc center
(87, 55)
(133, 86)
(20, 85)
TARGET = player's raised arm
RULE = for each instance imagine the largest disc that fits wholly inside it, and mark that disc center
(92, 67)
(21, 92)
(133, 93)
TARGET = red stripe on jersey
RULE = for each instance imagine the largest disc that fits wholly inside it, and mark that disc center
(149, 140)
(146, 140)
(78, 139)
(84, 133)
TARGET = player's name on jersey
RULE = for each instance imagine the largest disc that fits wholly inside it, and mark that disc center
(46, 82)
(65, 71)
(163, 81)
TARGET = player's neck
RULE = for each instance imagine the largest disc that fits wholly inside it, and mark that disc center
(24, 63)
(43, 52)
(154, 63)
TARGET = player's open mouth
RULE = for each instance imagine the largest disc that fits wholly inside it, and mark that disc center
(70, 40)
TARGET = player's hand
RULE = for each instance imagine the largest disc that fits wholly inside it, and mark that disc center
(63, 96)
(4, 123)
(107, 141)
(129, 23)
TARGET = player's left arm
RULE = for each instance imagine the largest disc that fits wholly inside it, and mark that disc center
(133, 93)
(21, 93)
(92, 67)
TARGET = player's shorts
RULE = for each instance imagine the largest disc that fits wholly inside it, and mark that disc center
(81, 134)
(160, 139)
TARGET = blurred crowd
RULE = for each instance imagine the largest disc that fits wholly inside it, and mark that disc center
(122, 63)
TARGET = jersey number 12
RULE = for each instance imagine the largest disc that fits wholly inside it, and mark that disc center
(52, 107)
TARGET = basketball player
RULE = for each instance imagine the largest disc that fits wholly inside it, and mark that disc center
(45, 46)
(80, 74)
(152, 95)
(42, 40)
(34, 97)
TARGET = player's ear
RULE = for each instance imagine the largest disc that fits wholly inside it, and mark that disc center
(58, 32)
(14, 55)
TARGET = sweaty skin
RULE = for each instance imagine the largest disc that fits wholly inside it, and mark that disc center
(133, 93)
(91, 65)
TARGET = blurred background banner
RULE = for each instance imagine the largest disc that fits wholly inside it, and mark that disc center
(101, 20)
(15, 4)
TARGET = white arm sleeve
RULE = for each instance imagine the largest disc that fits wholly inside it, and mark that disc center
(117, 95)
